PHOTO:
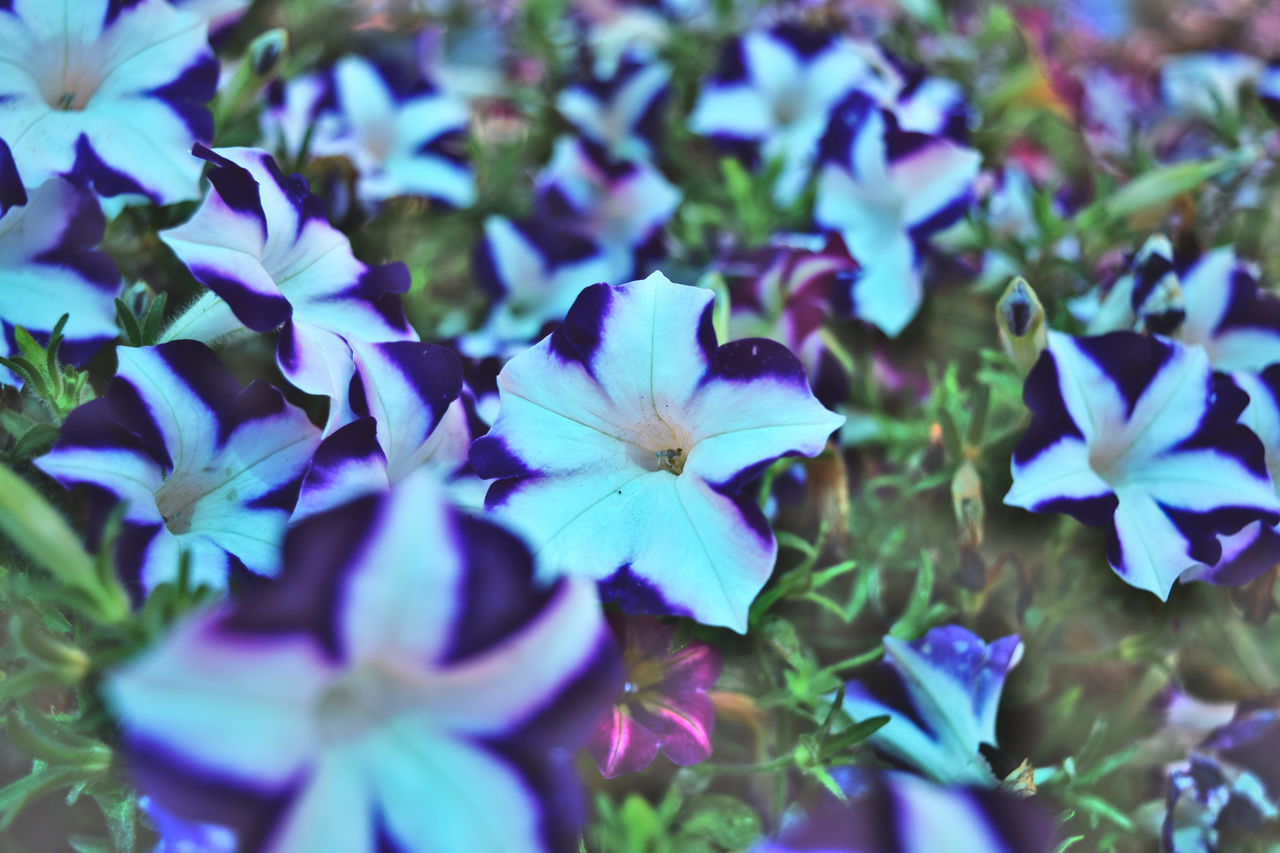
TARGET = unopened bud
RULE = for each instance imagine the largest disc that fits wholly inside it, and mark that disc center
(1020, 319)
(266, 50)
(1156, 297)
(966, 501)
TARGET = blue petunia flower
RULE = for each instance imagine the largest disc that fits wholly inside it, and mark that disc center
(1137, 434)
(403, 412)
(621, 113)
(534, 271)
(50, 265)
(941, 693)
(111, 94)
(202, 466)
(402, 136)
(402, 685)
(261, 244)
(625, 438)
(899, 813)
(774, 93)
(888, 191)
(619, 204)
(1230, 785)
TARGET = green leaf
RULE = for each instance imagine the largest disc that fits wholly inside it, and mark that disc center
(43, 779)
(128, 324)
(724, 820)
(852, 735)
(913, 622)
(153, 321)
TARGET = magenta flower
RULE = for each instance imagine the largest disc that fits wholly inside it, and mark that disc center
(663, 705)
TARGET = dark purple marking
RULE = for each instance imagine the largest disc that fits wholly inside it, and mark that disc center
(1129, 359)
(261, 312)
(89, 170)
(188, 93)
(1050, 422)
(635, 594)
(235, 185)
(752, 359)
(12, 192)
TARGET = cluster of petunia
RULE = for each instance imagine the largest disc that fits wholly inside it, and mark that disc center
(436, 571)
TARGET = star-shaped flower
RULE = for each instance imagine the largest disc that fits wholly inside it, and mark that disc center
(1138, 434)
(397, 136)
(888, 191)
(202, 466)
(622, 113)
(775, 90)
(620, 204)
(270, 259)
(664, 703)
(625, 438)
(110, 93)
(50, 265)
(403, 684)
(941, 693)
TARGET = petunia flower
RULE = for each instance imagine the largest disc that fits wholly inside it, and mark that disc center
(402, 412)
(50, 265)
(787, 293)
(1138, 435)
(888, 191)
(203, 467)
(775, 91)
(180, 836)
(534, 271)
(262, 246)
(402, 685)
(620, 113)
(1207, 84)
(941, 693)
(625, 437)
(1229, 785)
(620, 204)
(1269, 90)
(898, 813)
(663, 704)
(399, 134)
(110, 94)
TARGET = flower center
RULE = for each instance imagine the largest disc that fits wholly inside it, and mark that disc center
(70, 85)
(176, 501)
(660, 446)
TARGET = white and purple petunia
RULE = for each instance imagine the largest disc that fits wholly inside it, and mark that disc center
(109, 93)
(402, 412)
(899, 813)
(624, 440)
(402, 685)
(261, 244)
(786, 293)
(50, 265)
(533, 271)
(773, 94)
(941, 693)
(663, 705)
(620, 204)
(1207, 85)
(400, 133)
(1137, 434)
(888, 191)
(1229, 785)
(203, 467)
(621, 113)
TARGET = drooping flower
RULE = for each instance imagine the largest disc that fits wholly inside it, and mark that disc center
(203, 467)
(110, 94)
(663, 704)
(620, 204)
(402, 684)
(899, 813)
(400, 135)
(262, 246)
(775, 91)
(1229, 785)
(1137, 434)
(50, 265)
(888, 191)
(941, 693)
(620, 113)
(625, 437)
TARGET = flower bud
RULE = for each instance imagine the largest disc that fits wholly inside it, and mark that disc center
(1020, 319)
